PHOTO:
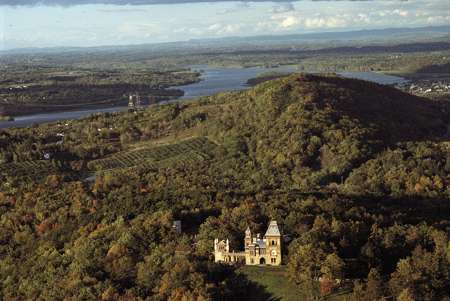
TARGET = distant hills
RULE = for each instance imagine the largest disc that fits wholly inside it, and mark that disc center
(304, 41)
(386, 33)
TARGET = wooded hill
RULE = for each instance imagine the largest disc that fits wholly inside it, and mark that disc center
(356, 173)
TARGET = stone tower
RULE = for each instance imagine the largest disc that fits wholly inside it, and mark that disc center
(273, 243)
(221, 249)
(248, 237)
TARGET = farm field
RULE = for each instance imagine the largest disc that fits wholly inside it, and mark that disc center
(143, 154)
(186, 151)
(26, 168)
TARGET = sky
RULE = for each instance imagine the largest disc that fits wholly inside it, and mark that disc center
(49, 23)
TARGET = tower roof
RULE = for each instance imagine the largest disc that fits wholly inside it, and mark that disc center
(273, 230)
(248, 232)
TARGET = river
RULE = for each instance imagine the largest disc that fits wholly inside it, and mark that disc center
(213, 80)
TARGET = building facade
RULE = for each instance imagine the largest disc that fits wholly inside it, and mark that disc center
(134, 102)
(258, 250)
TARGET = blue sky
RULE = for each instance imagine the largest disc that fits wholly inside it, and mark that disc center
(37, 25)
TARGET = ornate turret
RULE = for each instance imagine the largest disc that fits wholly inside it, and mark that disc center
(273, 241)
(248, 237)
(273, 230)
(216, 243)
(248, 233)
(221, 249)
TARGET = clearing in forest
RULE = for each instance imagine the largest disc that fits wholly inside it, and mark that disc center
(26, 168)
(187, 151)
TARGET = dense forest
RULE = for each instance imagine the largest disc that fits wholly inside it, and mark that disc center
(356, 174)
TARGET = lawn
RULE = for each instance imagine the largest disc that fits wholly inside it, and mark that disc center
(272, 283)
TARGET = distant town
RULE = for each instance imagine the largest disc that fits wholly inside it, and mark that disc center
(434, 89)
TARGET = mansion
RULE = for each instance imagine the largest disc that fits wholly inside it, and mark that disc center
(258, 250)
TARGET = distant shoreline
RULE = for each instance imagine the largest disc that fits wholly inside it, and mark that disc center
(31, 109)
(6, 118)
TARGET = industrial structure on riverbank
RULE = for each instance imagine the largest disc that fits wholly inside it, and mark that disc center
(134, 102)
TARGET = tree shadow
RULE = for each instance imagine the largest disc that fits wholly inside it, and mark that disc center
(435, 69)
(258, 292)
(239, 286)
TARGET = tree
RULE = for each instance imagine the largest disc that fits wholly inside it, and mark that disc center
(425, 274)
(406, 295)
(183, 282)
(304, 267)
(374, 289)
(358, 293)
(333, 267)
(150, 270)
(119, 263)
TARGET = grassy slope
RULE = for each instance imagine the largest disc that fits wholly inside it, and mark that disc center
(274, 283)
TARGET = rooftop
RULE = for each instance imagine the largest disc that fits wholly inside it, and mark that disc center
(273, 230)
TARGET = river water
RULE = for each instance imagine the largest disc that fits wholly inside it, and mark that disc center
(213, 80)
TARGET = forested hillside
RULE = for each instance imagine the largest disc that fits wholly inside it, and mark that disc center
(356, 174)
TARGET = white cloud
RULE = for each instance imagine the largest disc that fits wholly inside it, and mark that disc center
(325, 22)
(215, 29)
(400, 12)
(224, 29)
(362, 17)
(438, 20)
(109, 24)
(289, 21)
(135, 29)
